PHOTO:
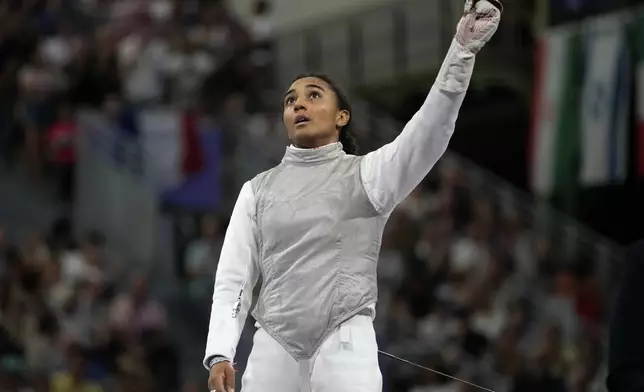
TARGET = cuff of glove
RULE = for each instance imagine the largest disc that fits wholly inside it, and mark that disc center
(217, 359)
(456, 72)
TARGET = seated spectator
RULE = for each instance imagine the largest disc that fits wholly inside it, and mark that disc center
(56, 291)
(467, 338)
(85, 315)
(133, 374)
(42, 348)
(86, 263)
(438, 326)
(74, 377)
(135, 312)
(36, 251)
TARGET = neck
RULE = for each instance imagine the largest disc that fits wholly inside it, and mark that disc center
(315, 143)
(295, 154)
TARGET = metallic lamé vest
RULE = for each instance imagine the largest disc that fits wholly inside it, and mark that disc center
(318, 238)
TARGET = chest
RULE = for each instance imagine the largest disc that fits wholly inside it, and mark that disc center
(309, 206)
(300, 201)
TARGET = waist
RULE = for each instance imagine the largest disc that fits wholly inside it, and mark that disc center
(302, 335)
(369, 311)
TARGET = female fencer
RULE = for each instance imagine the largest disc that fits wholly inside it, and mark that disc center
(312, 226)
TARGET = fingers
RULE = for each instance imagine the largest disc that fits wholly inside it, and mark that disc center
(230, 379)
(218, 383)
(497, 4)
(468, 6)
(483, 5)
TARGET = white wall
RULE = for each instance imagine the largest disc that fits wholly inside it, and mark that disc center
(294, 13)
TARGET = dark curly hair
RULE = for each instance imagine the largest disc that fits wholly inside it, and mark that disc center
(347, 138)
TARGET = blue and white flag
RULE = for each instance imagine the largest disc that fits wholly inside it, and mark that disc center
(605, 103)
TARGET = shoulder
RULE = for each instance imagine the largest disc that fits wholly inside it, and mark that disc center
(352, 158)
(262, 179)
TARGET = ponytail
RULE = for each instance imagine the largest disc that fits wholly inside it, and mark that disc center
(349, 141)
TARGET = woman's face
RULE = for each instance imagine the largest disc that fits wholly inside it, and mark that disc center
(311, 113)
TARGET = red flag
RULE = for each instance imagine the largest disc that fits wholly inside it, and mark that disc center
(192, 154)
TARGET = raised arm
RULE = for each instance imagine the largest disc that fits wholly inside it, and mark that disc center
(390, 173)
(236, 277)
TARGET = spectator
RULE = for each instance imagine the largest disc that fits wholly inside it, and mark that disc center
(161, 11)
(62, 148)
(262, 35)
(38, 88)
(56, 291)
(470, 254)
(74, 377)
(84, 264)
(437, 326)
(41, 349)
(229, 43)
(9, 132)
(85, 315)
(560, 305)
(133, 313)
(187, 67)
(141, 56)
(214, 33)
(518, 243)
(35, 251)
(58, 50)
(94, 73)
(588, 302)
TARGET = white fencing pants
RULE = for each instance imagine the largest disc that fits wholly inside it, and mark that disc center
(347, 361)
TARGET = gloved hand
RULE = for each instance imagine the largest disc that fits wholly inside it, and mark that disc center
(478, 24)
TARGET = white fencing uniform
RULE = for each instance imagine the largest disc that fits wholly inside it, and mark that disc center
(350, 346)
(312, 228)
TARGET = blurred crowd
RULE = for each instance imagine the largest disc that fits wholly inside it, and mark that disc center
(467, 285)
(119, 56)
(71, 321)
(470, 288)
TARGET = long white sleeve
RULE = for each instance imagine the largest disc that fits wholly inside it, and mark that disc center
(237, 274)
(390, 173)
